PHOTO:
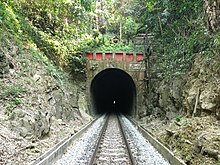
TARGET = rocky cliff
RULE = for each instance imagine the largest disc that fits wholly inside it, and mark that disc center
(39, 105)
(189, 108)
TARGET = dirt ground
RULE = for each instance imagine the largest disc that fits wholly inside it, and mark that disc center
(196, 140)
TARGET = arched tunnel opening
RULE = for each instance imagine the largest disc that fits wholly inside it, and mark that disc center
(113, 90)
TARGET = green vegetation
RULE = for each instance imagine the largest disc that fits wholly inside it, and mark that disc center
(11, 91)
(180, 34)
(11, 106)
(178, 118)
(104, 43)
(58, 33)
(64, 30)
(12, 94)
(51, 68)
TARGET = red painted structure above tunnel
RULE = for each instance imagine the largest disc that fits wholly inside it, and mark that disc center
(119, 56)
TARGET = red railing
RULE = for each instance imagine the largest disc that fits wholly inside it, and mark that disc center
(128, 57)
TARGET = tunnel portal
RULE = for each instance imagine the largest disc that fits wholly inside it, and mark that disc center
(113, 90)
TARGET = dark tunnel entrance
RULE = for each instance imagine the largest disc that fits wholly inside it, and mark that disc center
(113, 90)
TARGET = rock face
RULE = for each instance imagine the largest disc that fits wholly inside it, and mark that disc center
(7, 52)
(37, 125)
(191, 108)
(166, 100)
(46, 100)
(38, 105)
(195, 93)
(4, 66)
(203, 82)
(170, 97)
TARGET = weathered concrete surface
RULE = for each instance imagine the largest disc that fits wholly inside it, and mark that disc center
(133, 66)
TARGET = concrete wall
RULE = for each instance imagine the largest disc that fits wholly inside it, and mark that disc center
(132, 63)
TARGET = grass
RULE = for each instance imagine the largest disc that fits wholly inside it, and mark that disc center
(11, 94)
(8, 92)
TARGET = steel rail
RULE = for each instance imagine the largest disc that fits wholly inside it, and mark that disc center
(126, 142)
(128, 151)
(99, 140)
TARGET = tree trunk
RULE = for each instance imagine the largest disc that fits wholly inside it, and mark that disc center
(120, 27)
(160, 25)
(212, 11)
(121, 10)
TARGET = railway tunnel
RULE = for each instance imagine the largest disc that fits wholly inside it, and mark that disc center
(113, 90)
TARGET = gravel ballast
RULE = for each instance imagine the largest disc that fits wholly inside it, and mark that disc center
(143, 152)
(80, 153)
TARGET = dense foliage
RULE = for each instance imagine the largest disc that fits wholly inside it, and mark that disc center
(56, 27)
(179, 33)
(65, 29)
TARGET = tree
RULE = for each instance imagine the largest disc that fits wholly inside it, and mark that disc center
(212, 10)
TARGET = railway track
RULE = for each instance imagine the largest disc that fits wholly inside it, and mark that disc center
(112, 146)
(110, 140)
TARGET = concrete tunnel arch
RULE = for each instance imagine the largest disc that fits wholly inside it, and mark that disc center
(113, 90)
